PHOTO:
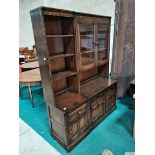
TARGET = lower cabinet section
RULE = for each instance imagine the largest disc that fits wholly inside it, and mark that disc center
(79, 122)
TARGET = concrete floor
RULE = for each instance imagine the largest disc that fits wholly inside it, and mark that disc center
(31, 143)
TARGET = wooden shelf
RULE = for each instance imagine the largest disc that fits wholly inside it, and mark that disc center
(83, 52)
(95, 86)
(86, 64)
(58, 36)
(87, 36)
(102, 49)
(60, 56)
(69, 101)
(102, 30)
(102, 62)
(86, 60)
(64, 74)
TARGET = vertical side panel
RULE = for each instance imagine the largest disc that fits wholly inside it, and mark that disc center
(42, 52)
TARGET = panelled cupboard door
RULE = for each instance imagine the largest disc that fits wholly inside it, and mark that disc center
(73, 130)
(78, 122)
(97, 107)
(94, 109)
(110, 98)
(83, 123)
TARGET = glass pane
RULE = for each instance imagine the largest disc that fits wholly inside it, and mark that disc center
(87, 58)
(102, 41)
(87, 43)
(86, 37)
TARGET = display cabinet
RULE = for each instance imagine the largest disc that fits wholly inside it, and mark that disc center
(73, 55)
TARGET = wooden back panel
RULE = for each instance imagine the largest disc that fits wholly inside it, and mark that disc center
(88, 74)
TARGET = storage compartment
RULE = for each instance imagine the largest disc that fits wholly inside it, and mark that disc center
(101, 94)
(73, 51)
(62, 67)
(60, 45)
(110, 98)
(78, 122)
(59, 25)
(69, 101)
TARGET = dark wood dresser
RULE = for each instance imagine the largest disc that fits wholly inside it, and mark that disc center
(73, 55)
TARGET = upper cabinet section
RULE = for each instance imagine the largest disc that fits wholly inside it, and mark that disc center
(93, 41)
(59, 33)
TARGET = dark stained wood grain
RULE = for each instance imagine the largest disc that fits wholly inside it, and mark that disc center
(77, 95)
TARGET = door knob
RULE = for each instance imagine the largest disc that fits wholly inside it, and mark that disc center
(96, 43)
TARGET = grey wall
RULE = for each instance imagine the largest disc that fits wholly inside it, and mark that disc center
(26, 38)
(101, 7)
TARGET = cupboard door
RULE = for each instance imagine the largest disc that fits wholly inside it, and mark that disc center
(83, 123)
(102, 43)
(73, 130)
(101, 102)
(77, 122)
(86, 39)
(100, 110)
(110, 98)
(94, 109)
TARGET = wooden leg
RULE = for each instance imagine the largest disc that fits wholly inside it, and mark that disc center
(31, 97)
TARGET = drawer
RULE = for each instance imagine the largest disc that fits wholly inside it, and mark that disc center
(77, 113)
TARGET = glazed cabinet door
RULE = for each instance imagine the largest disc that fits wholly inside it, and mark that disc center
(102, 43)
(86, 39)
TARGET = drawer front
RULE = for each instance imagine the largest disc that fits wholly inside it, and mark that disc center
(77, 113)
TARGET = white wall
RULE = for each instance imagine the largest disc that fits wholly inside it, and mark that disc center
(26, 38)
(100, 7)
